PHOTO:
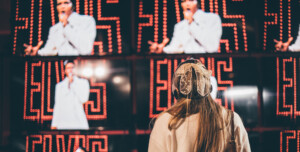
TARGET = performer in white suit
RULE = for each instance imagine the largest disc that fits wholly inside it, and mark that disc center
(73, 35)
(70, 95)
(199, 32)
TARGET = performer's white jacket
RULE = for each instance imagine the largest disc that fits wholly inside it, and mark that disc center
(76, 38)
(201, 36)
(296, 46)
(68, 107)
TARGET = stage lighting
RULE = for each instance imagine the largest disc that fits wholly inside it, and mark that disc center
(87, 72)
(101, 72)
(241, 92)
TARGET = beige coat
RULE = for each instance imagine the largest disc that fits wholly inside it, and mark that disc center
(183, 138)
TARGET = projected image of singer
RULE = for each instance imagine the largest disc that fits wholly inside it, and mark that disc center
(73, 35)
(285, 46)
(199, 32)
(70, 95)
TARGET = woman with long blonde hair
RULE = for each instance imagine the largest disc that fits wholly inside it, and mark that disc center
(196, 123)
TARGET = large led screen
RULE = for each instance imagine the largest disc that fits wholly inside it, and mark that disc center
(99, 93)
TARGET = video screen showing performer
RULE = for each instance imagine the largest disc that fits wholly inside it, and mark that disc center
(73, 35)
(70, 95)
(73, 94)
(198, 32)
(71, 28)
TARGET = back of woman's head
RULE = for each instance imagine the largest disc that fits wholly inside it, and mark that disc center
(191, 80)
(191, 87)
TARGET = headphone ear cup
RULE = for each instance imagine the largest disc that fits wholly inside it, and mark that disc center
(176, 93)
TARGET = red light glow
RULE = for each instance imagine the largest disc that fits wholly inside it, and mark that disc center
(287, 85)
(47, 143)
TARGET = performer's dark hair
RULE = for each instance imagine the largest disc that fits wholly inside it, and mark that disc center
(68, 61)
(73, 4)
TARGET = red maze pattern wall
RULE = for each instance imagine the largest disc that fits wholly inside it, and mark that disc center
(66, 143)
(161, 79)
(278, 17)
(289, 140)
(40, 80)
(33, 19)
(287, 90)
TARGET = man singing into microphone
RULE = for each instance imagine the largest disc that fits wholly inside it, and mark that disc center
(70, 95)
(73, 35)
(199, 32)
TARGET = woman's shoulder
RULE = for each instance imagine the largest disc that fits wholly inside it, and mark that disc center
(227, 115)
(161, 122)
(163, 118)
(237, 118)
(160, 127)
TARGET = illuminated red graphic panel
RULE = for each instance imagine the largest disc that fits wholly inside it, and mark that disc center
(287, 87)
(40, 80)
(93, 109)
(237, 43)
(289, 140)
(161, 72)
(106, 23)
(277, 18)
(156, 20)
(66, 143)
(34, 18)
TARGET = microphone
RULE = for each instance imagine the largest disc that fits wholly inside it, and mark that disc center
(187, 12)
(70, 74)
(62, 18)
(63, 14)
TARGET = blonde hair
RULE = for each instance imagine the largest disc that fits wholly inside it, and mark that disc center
(211, 129)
